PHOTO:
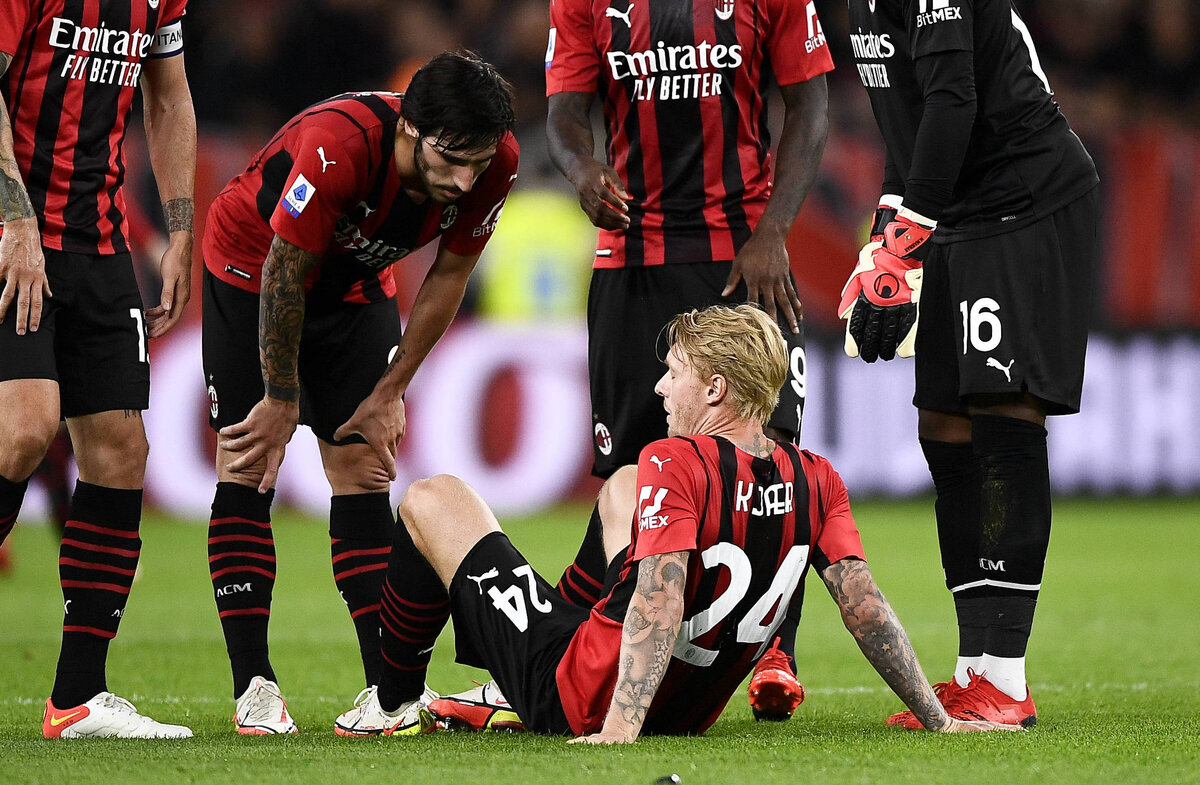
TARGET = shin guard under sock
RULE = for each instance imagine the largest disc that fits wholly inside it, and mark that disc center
(361, 528)
(241, 563)
(97, 561)
(413, 610)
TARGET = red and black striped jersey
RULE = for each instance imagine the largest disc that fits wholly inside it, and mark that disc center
(683, 84)
(751, 527)
(69, 89)
(327, 182)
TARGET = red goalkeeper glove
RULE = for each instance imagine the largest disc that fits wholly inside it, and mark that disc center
(880, 301)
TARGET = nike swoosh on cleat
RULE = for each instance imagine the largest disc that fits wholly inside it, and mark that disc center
(55, 721)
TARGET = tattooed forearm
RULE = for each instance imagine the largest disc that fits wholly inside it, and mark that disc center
(281, 317)
(874, 625)
(14, 199)
(178, 215)
(651, 626)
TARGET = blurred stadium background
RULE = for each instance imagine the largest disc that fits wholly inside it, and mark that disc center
(503, 399)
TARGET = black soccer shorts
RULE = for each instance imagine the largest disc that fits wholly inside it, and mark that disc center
(344, 349)
(92, 338)
(627, 311)
(1009, 313)
(510, 621)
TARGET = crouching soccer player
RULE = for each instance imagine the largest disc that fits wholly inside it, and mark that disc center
(727, 523)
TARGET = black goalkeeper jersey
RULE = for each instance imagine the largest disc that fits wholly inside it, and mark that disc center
(1012, 160)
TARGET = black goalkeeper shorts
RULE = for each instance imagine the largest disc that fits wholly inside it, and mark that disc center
(1009, 313)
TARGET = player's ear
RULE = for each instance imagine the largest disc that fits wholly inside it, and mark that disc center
(411, 131)
(717, 389)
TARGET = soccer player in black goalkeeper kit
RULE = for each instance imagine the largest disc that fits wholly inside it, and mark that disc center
(987, 218)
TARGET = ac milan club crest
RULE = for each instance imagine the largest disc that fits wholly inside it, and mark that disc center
(724, 9)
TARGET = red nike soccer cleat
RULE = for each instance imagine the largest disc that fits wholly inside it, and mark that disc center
(481, 708)
(774, 690)
(981, 700)
(947, 692)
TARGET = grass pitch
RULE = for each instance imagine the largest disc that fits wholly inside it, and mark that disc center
(1113, 668)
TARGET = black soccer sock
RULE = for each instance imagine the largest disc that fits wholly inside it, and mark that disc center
(360, 536)
(787, 632)
(413, 610)
(1015, 509)
(241, 563)
(956, 480)
(11, 496)
(583, 580)
(96, 564)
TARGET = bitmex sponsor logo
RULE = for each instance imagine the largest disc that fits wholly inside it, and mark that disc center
(675, 72)
(940, 11)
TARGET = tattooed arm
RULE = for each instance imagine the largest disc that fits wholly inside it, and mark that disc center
(170, 124)
(651, 626)
(380, 417)
(261, 438)
(873, 623)
(22, 266)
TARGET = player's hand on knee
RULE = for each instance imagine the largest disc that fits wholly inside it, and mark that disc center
(262, 436)
(380, 420)
(880, 304)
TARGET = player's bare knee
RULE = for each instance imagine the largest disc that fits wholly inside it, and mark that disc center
(24, 447)
(353, 469)
(618, 497)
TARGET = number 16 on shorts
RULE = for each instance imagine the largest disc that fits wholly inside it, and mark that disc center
(981, 328)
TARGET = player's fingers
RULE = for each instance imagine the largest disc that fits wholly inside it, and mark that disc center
(271, 473)
(35, 308)
(735, 275)
(6, 298)
(386, 456)
(767, 298)
(22, 310)
(787, 308)
(793, 298)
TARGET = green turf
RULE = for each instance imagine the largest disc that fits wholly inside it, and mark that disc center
(1113, 670)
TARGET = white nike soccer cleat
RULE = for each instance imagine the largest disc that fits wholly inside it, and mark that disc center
(481, 708)
(106, 716)
(368, 718)
(262, 711)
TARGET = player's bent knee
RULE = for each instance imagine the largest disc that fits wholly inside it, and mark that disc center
(25, 446)
(427, 499)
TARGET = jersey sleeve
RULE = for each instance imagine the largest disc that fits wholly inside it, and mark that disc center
(668, 503)
(795, 41)
(320, 184)
(940, 26)
(572, 59)
(13, 16)
(480, 209)
(838, 538)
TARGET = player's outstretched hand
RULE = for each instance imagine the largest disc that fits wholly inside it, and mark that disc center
(880, 304)
(380, 420)
(23, 270)
(176, 271)
(763, 264)
(263, 435)
(602, 195)
(975, 726)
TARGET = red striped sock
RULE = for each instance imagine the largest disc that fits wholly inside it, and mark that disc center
(360, 539)
(241, 563)
(96, 564)
(413, 610)
(583, 580)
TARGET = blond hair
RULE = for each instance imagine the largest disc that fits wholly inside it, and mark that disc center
(743, 345)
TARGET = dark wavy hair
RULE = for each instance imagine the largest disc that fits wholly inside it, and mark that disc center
(460, 101)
